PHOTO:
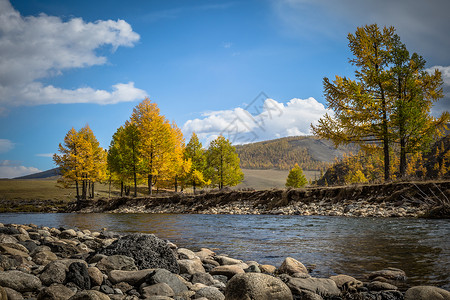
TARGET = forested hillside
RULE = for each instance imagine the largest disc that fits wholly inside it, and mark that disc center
(309, 152)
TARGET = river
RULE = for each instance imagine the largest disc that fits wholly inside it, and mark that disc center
(334, 245)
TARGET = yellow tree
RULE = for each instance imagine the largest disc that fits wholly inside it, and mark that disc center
(194, 151)
(296, 178)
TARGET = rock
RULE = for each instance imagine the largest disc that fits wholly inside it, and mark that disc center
(61, 249)
(205, 253)
(3, 295)
(4, 238)
(321, 286)
(228, 270)
(204, 278)
(307, 295)
(29, 244)
(9, 230)
(7, 263)
(252, 269)
(389, 273)
(78, 274)
(123, 287)
(256, 286)
(191, 266)
(184, 253)
(116, 262)
(54, 272)
(106, 289)
(20, 281)
(44, 257)
(380, 286)
(8, 250)
(211, 293)
(13, 294)
(89, 295)
(55, 292)
(148, 251)
(291, 266)
(346, 283)
(95, 275)
(225, 260)
(131, 277)
(158, 289)
(427, 293)
(163, 275)
(68, 233)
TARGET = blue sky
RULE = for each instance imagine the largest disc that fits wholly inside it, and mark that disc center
(207, 64)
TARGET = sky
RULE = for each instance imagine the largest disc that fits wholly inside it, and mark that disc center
(250, 70)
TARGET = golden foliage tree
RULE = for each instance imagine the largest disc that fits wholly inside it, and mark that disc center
(296, 178)
(197, 155)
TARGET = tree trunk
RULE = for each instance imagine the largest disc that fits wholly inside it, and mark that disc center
(176, 183)
(135, 182)
(385, 137)
(150, 184)
(92, 186)
(121, 189)
(109, 188)
(402, 157)
(193, 185)
(78, 192)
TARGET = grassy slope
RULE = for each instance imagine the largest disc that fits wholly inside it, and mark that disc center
(268, 179)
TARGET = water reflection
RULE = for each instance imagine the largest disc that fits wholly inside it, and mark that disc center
(335, 245)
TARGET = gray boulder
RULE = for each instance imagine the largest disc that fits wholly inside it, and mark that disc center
(78, 274)
(427, 293)
(89, 295)
(54, 272)
(320, 286)
(116, 262)
(249, 286)
(13, 294)
(20, 281)
(148, 251)
(209, 292)
(55, 292)
(164, 276)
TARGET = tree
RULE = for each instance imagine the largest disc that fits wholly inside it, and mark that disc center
(197, 155)
(296, 178)
(223, 163)
(361, 107)
(414, 91)
(81, 160)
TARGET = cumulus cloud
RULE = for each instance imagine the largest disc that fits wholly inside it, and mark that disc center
(36, 47)
(443, 104)
(6, 145)
(9, 169)
(259, 121)
(44, 154)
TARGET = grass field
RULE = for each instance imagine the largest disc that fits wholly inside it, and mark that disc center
(268, 179)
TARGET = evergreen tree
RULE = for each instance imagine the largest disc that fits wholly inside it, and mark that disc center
(197, 155)
(296, 178)
(223, 163)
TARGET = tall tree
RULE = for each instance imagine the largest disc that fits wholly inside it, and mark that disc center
(414, 91)
(296, 178)
(197, 155)
(223, 163)
(362, 107)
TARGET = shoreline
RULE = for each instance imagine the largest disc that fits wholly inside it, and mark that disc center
(404, 199)
(42, 262)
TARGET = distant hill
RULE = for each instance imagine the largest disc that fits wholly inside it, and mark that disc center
(310, 152)
(49, 174)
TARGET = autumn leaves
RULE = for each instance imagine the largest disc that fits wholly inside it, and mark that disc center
(146, 149)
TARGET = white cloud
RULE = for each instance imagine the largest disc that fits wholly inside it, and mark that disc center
(261, 121)
(37, 47)
(443, 104)
(10, 170)
(44, 155)
(6, 145)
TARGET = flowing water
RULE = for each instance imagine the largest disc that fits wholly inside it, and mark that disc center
(334, 245)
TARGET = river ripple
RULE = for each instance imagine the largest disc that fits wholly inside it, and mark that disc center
(335, 245)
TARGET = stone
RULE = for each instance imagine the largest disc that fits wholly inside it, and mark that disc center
(3, 295)
(210, 293)
(228, 270)
(68, 233)
(130, 277)
(191, 266)
(20, 281)
(321, 286)
(204, 278)
(4, 238)
(307, 295)
(44, 257)
(205, 253)
(427, 293)
(225, 260)
(380, 286)
(123, 287)
(78, 274)
(389, 273)
(95, 275)
(55, 292)
(13, 294)
(148, 251)
(54, 272)
(158, 289)
(8, 250)
(116, 262)
(89, 295)
(105, 289)
(252, 269)
(61, 249)
(7, 263)
(249, 286)
(184, 253)
(29, 244)
(9, 230)
(346, 283)
(163, 275)
(291, 266)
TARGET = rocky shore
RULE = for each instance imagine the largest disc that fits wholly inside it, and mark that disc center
(62, 263)
(401, 199)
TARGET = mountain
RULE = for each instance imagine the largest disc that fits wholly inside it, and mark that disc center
(310, 152)
(49, 174)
